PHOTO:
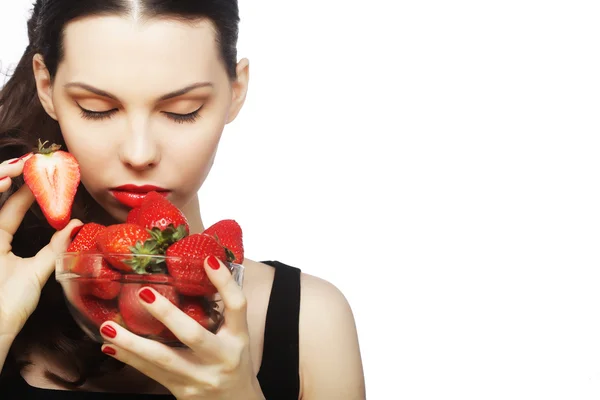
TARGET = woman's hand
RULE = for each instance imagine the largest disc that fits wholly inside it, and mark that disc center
(216, 366)
(22, 280)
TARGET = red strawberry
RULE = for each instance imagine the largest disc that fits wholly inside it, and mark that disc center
(188, 265)
(229, 234)
(132, 216)
(148, 278)
(195, 308)
(96, 277)
(96, 310)
(135, 316)
(118, 241)
(158, 212)
(86, 237)
(53, 177)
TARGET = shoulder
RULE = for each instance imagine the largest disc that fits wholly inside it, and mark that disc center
(323, 309)
(317, 294)
(330, 360)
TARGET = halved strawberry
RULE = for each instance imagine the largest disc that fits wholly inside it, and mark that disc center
(185, 263)
(135, 316)
(117, 242)
(228, 234)
(96, 278)
(53, 177)
(86, 237)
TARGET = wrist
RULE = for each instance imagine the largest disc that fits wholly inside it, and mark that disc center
(6, 341)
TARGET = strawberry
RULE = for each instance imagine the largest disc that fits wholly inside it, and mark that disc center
(96, 277)
(86, 237)
(166, 223)
(135, 316)
(132, 216)
(96, 310)
(187, 266)
(196, 308)
(53, 177)
(157, 211)
(148, 278)
(228, 234)
(116, 242)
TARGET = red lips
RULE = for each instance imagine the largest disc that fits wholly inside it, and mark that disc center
(133, 195)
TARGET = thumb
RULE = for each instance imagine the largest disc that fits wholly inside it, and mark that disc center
(45, 259)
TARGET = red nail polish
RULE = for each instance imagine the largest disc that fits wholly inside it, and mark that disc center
(147, 296)
(75, 231)
(19, 159)
(109, 331)
(109, 350)
(213, 262)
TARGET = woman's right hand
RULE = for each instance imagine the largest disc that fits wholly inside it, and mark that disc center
(22, 279)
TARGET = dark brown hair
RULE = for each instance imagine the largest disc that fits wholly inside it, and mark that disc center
(23, 120)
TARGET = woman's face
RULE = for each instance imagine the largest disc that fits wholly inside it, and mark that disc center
(141, 103)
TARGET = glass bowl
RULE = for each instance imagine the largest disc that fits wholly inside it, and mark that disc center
(99, 288)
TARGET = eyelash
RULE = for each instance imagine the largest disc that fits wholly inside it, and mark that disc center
(100, 115)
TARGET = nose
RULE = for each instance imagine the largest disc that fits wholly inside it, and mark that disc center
(140, 151)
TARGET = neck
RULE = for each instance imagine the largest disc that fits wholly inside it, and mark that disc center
(192, 212)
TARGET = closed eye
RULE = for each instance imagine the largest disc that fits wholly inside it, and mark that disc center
(181, 118)
(100, 115)
(97, 115)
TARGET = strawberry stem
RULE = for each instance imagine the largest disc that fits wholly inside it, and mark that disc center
(42, 149)
(146, 257)
(166, 237)
(230, 255)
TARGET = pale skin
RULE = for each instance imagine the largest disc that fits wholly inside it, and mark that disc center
(123, 67)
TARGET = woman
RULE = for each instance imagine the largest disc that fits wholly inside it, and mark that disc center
(139, 91)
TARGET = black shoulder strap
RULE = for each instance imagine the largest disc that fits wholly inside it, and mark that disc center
(279, 371)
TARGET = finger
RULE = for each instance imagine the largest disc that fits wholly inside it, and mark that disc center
(11, 169)
(184, 327)
(162, 376)
(14, 164)
(5, 183)
(44, 260)
(13, 161)
(142, 352)
(234, 299)
(15, 208)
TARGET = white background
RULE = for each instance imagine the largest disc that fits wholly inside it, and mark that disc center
(438, 162)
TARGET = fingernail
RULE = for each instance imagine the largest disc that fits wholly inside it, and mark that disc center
(213, 262)
(3, 178)
(75, 231)
(19, 159)
(109, 350)
(109, 331)
(147, 296)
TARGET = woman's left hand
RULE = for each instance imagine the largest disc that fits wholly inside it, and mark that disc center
(216, 366)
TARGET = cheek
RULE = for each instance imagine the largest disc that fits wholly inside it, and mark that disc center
(190, 157)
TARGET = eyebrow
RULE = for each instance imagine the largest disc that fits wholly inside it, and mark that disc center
(167, 96)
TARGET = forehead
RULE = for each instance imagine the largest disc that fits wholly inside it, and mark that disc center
(113, 51)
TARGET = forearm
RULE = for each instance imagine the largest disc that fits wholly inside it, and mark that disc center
(6, 342)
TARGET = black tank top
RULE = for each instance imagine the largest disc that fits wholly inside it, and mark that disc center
(279, 371)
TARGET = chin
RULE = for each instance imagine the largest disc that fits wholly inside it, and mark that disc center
(109, 212)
